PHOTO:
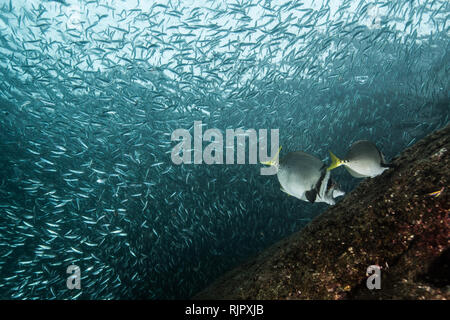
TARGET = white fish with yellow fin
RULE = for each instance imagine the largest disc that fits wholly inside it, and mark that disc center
(305, 177)
(363, 159)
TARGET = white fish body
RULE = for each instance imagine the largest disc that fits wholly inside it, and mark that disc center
(304, 177)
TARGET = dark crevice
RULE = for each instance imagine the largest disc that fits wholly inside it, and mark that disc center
(438, 274)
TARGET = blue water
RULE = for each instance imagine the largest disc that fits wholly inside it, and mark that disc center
(91, 91)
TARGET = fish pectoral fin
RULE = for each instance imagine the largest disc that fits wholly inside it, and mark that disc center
(335, 161)
(311, 195)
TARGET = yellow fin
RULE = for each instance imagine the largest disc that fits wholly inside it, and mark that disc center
(335, 161)
(436, 193)
(274, 161)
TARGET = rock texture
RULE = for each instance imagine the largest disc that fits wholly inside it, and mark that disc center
(391, 221)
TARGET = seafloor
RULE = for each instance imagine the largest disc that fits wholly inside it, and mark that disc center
(391, 221)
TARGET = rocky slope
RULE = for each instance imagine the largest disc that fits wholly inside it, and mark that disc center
(391, 221)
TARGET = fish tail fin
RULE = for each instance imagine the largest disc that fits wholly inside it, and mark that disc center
(274, 161)
(335, 161)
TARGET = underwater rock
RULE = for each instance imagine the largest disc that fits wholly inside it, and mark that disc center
(398, 221)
